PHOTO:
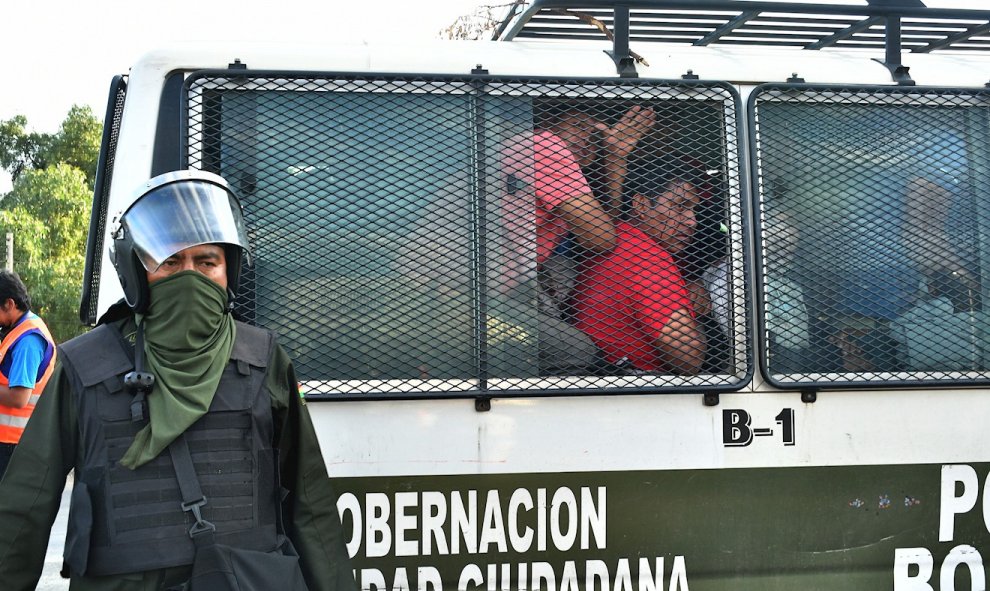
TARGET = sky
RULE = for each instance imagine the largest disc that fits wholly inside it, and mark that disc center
(57, 53)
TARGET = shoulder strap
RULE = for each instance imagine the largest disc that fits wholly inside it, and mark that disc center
(97, 355)
(139, 382)
(253, 345)
(29, 323)
(193, 498)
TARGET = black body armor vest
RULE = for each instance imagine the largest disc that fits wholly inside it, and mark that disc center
(124, 521)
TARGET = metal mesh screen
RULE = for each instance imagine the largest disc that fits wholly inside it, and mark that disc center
(456, 236)
(101, 200)
(874, 233)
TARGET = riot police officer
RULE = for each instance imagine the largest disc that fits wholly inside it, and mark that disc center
(174, 367)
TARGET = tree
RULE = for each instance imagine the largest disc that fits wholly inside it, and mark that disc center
(48, 209)
(481, 23)
(77, 142)
(19, 149)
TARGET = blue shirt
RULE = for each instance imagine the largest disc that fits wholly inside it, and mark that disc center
(23, 360)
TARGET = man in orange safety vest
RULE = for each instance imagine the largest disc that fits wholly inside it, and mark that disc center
(27, 358)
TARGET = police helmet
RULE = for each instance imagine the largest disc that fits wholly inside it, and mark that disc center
(175, 211)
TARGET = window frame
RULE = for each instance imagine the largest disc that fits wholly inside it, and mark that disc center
(860, 94)
(737, 200)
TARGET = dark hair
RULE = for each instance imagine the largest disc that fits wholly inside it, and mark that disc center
(650, 177)
(11, 287)
(549, 114)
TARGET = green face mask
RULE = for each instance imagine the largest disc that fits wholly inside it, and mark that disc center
(188, 336)
(186, 314)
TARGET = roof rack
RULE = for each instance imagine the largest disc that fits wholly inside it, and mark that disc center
(891, 25)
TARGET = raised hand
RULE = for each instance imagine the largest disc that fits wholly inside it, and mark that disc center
(620, 139)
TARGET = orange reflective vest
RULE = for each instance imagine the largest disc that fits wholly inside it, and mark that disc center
(13, 420)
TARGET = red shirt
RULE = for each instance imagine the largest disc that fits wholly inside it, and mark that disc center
(625, 299)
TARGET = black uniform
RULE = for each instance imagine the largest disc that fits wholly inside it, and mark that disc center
(127, 530)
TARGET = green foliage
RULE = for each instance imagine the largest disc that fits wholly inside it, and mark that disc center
(48, 211)
(20, 150)
(77, 142)
(60, 196)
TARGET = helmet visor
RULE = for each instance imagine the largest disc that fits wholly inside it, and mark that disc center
(182, 214)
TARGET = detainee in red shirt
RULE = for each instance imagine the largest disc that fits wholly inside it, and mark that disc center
(633, 302)
(547, 196)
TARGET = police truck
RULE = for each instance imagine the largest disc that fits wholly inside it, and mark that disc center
(835, 437)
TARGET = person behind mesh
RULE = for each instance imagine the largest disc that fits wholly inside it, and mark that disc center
(634, 302)
(938, 233)
(709, 245)
(787, 319)
(940, 332)
(546, 169)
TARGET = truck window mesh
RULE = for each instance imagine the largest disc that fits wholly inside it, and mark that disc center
(420, 236)
(874, 234)
(95, 246)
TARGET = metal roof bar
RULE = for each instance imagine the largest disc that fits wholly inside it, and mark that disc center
(892, 55)
(727, 28)
(846, 33)
(758, 22)
(625, 65)
(951, 39)
(509, 15)
(769, 6)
